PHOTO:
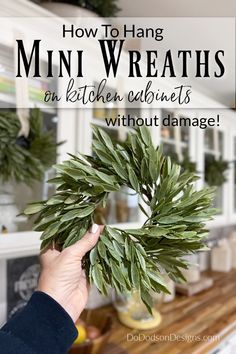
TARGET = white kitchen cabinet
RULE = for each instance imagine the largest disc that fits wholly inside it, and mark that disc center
(73, 124)
(232, 176)
(215, 145)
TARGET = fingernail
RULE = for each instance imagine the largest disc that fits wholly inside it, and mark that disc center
(94, 228)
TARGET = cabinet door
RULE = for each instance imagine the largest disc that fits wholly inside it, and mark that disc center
(61, 123)
(178, 139)
(215, 162)
(7, 79)
(232, 177)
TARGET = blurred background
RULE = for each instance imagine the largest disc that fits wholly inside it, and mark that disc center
(207, 304)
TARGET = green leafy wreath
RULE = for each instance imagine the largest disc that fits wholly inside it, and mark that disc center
(215, 170)
(132, 258)
(24, 159)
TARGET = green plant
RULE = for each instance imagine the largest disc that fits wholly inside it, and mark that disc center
(42, 143)
(132, 258)
(104, 8)
(186, 163)
(24, 159)
(215, 170)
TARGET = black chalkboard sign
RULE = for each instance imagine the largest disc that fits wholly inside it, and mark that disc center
(22, 278)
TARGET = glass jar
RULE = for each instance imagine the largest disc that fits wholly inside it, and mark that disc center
(133, 313)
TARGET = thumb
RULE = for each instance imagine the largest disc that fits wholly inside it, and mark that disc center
(89, 240)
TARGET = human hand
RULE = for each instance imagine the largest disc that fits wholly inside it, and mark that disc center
(62, 276)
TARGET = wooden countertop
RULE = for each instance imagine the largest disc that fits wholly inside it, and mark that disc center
(210, 313)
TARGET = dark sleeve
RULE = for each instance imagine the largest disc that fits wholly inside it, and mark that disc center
(42, 327)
